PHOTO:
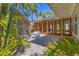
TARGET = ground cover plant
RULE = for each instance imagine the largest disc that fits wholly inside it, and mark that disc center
(66, 46)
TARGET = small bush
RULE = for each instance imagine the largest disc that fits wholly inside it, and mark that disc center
(65, 46)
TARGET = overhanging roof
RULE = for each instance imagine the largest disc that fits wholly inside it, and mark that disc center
(63, 9)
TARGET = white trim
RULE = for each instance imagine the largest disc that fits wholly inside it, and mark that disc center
(74, 35)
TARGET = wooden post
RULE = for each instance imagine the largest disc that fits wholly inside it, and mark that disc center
(42, 27)
(53, 27)
(70, 27)
(34, 27)
(38, 26)
(61, 27)
(47, 27)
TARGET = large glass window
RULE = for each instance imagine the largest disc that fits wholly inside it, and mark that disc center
(66, 26)
(36, 26)
(40, 26)
(44, 27)
(76, 28)
(57, 27)
(75, 25)
(50, 27)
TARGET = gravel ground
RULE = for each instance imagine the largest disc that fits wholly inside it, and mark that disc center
(34, 50)
(38, 45)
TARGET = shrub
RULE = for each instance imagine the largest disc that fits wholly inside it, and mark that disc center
(65, 46)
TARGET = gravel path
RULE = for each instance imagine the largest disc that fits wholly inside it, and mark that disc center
(35, 49)
(38, 45)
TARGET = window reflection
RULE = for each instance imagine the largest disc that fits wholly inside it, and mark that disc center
(40, 26)
(66, 27)
(36, 26)
(50, 27)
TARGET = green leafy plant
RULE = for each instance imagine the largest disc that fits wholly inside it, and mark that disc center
(65, 46)
(8, 49)
(5, 52)
(23, 42)
(8, 34)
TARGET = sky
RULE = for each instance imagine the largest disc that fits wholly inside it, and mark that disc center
(42, 6)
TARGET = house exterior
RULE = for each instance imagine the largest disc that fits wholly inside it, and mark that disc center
(66, 24)
(54, 26)
(75, 22)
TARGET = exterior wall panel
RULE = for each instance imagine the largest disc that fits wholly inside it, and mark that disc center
(75, 22)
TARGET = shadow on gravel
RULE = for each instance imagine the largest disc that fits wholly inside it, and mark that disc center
(43, 41)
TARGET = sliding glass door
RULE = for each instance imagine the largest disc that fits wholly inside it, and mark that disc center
(36, 26)
(40, 26)
(67, 27)
(44, 27)
(50, 26)
(57, 26)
